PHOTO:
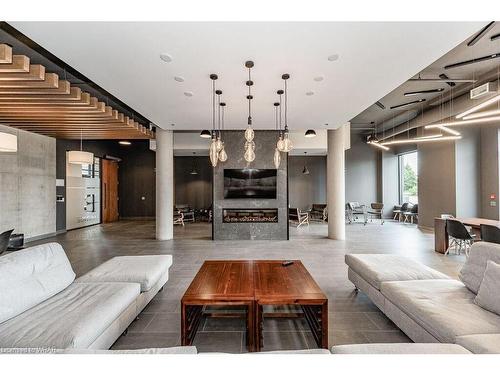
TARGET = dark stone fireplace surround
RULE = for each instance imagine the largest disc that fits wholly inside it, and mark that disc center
(265, 143)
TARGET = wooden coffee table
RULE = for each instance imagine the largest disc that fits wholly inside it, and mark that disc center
(219, 283)
(276, 285)
(253, 285)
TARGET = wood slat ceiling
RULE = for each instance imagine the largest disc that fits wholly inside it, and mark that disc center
(34, 100)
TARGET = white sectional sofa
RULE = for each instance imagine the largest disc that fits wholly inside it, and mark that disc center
(427, 305)
(43, 306)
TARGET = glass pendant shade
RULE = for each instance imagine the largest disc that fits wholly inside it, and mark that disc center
(8, 142)
(277, 158)
(287, 143)
(249, 134)
(249, 154)
(280, 145)
(219, 144)
(222, 154)
(80, 157)
(214, 154)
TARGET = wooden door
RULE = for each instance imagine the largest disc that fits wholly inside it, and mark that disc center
(109, 178)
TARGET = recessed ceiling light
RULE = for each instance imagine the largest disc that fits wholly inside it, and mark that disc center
(188, 93)
(310, 93)
(166, 57)
(333, 57)
(172, 124)
(319, 78)
(179, 78)
(326, 124)
(125, 143)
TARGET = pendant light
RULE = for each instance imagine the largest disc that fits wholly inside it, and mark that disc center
(193, 170)
(8, 142)
(205, 134)
(280, 145)
(213, 153)
(80, 157)
(222, 152)
(277, 153)
(249, 154)
(305, 170)
(310, 133)
(218, 142)
(287, 142)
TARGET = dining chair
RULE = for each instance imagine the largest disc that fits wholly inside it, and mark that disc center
(490, 233)
(460, 237)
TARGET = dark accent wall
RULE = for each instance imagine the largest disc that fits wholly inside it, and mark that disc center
(306, 190)
(265, 143)
(136, 175)
(193, 190)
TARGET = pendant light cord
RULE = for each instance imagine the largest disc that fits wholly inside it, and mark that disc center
(218, 115)
(280, 115)
(81, 140)
(286, 106)
(249, 97)
(213, 107)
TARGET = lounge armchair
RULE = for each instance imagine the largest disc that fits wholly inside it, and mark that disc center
(376, 211)
(354, 210)
(318, 212)
(427, 305)
(411, 214)
(297, 216)
(187, 213)
(398, 212)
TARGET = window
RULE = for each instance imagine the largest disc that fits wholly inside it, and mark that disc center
(408, 178)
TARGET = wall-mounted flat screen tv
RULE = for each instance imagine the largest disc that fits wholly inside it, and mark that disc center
(250, 183)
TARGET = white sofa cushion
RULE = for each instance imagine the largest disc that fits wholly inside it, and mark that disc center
(488, 295)
(403, 348)
(143, 269)
(472, 272)
(481, 344)
(30, 276)
(444, 308)
(73, 318)
(378, 268)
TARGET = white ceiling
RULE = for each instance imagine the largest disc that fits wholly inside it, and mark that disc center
(123, 58)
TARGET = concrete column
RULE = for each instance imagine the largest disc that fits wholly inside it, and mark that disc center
(335, 183)
(164, 184)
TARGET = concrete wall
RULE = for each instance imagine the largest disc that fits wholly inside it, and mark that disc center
(28, 185)
(305, 190)
(194, 190)
(468, 173)
(361, 172)
(390, 182)
(436, 181)
(264, 150)
(489, 172)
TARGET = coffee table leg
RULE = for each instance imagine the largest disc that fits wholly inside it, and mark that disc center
(190, 320)
(324, 325)
(259, 322)
(251, 327)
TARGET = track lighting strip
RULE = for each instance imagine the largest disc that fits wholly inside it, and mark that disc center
(378, 145)
(480, 34)
(479, 106)
(464, 122)
(494, 112)
(407, 104)
(445, 80)
(473, 61)
(432, 91)
(495, 37)
(448, 130)
(422, 140)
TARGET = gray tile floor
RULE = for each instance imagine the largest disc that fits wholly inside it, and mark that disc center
(352, 317)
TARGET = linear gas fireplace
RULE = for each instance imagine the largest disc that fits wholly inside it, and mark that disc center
(250, 215)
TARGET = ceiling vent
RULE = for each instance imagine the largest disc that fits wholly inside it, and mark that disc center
(483, 91)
